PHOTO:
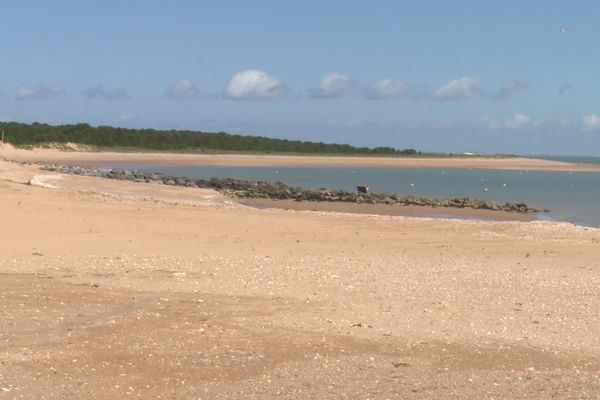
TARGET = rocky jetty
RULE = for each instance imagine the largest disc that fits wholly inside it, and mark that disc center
(247, 189)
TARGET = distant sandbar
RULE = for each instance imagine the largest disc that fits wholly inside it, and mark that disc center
(242, 160)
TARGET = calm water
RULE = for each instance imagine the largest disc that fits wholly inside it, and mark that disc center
(573, 159)
(572, 197)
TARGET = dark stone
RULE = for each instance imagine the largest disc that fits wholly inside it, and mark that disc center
(279, 190)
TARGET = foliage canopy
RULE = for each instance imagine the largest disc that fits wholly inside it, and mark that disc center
(175, 140)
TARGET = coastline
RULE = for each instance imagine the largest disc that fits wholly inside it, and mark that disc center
(249, 189)
(177, 282)
(85, 158)
(389, 210)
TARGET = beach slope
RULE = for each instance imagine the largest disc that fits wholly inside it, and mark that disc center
(116, 289)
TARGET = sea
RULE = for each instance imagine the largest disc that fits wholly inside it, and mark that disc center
(569, 196)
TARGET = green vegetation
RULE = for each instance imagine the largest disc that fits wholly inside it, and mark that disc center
(173, 140)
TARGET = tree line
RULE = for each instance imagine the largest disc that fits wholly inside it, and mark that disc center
(20, 134)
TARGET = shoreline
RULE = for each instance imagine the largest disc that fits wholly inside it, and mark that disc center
(259, 190)
(398, 209)
(84, 158)
(179, 196)
(395, 210)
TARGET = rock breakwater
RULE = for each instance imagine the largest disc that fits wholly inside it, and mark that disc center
(248, 189)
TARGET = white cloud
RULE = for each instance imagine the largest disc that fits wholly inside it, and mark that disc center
(515, 121)
(564, 122)
(333, 85)
(107, 94)
(255, 85)
(489, 122)
(458, 89)
(40, 91)
(518, 121)
(183, 89)
(591, 122)
(508, 88)
(387, 88)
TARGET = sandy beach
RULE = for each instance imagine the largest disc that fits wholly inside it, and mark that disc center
(239, 160)
(112, 289)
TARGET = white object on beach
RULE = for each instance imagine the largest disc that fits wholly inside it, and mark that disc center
(43, 181)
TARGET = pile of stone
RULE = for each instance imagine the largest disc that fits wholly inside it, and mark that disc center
(248, 189)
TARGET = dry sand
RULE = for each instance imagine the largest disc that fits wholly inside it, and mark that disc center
(95, 158)
(119, 290)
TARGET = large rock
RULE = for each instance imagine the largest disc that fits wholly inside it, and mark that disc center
(279, 190)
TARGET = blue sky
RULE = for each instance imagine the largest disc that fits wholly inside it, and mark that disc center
(490, 76)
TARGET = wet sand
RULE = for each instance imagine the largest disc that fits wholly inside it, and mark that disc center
(395, 209)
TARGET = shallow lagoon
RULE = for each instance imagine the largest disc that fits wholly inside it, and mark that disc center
(571, 196)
